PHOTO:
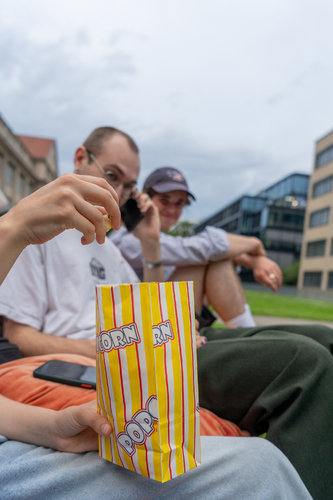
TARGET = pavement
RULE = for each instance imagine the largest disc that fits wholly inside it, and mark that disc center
(274, 320)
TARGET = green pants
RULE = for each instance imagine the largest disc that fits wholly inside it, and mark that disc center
(276, 380)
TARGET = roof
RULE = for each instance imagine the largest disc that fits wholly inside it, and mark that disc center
(37, 147)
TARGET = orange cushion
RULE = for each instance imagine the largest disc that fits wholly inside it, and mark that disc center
(18, 383)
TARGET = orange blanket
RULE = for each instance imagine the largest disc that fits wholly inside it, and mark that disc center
(18, 383)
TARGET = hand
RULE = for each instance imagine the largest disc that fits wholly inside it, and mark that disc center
(66, 203)
(200, 341)
(267, 272)
(75, 429)
(149, 227)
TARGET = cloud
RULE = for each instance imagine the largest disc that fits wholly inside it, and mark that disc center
(61, 89)
(216, 177)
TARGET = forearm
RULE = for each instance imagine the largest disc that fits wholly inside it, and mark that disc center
(32, 342)
(11, 245)
(29, 424)
(245, 260)
(151, 252)
(239, 245)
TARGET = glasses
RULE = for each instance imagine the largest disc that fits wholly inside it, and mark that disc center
(112, 178)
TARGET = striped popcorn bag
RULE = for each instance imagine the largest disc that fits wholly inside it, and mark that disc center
(147, 377)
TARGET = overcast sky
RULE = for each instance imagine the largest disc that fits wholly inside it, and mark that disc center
(234, 93)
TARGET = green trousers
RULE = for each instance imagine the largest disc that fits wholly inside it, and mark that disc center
(277, 380)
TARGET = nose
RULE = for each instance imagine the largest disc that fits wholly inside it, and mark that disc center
(119, 190)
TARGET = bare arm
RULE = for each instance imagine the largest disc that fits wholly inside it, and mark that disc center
(62, 204)
(148, 232)
(32, 342)
(73, 429)
(244, 245)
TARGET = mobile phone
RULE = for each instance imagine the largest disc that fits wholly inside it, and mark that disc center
(67, 373)
(131, 214)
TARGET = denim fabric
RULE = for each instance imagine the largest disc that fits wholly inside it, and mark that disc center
(232, 469)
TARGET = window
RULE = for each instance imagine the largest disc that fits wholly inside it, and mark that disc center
(20, 184)
(322, 187)
(324, 157)
(330, 280)
(9, 175)
(293, 219)
(320, 217)
(316, 248)
(312, 279)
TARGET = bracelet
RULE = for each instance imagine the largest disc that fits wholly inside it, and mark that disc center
(152, 265)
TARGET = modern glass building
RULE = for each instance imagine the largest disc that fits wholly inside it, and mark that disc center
(275, 215)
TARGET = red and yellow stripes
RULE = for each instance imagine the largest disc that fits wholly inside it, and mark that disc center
(147, 383)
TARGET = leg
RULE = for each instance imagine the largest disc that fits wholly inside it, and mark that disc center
(195, 274)
(232, 468)
(320, 333)
(278, 383)
(224, 289)
(221, 284)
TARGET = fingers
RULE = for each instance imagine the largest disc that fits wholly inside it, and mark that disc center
(143, 200)
(200, 341)
(91, 223)
(98, 191)
(86, 416)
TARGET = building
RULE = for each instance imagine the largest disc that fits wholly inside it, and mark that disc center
(316, 268)
(275, 215)
(26, 163)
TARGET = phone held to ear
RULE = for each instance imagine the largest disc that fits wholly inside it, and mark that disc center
(67, 373)
(131, 214)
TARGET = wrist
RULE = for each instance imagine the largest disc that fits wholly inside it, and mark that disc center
(152, 265)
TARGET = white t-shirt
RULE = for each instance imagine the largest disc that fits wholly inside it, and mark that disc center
(51, 287)
(210, 245)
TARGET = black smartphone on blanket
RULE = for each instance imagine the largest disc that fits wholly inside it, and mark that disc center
(67, 373)
(131, 214)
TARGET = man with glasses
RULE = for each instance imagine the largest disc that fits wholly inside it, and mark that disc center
(48, 297)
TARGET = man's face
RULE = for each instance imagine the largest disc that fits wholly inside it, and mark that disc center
(170, 206)
(117, 158)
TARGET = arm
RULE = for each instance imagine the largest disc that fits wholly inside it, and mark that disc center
(244, 245)
(62, 204)
(32, 342)
(73, 429)
(148, 233)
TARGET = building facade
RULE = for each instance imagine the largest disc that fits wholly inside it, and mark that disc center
(26, 164)
(275, 215)
(316, 267)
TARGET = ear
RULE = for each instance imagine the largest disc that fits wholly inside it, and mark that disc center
(80, 159)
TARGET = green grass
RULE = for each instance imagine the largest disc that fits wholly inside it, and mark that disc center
(269, 304)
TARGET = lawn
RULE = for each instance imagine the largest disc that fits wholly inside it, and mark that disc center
(269, 304)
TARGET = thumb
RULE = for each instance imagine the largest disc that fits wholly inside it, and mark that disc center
(87, 416)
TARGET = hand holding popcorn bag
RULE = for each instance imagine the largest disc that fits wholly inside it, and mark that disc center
(147, 377)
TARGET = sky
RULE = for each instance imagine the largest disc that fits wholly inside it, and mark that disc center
(233, 93)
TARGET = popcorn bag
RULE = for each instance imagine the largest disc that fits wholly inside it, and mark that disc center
(147, 377)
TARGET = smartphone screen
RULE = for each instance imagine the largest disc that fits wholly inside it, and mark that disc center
(67, 373)
(131, 214)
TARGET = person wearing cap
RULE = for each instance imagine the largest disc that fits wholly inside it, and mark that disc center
(208, 258)
(268, 380)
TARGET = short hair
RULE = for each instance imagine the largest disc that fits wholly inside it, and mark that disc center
(94, 143)
(151, 192)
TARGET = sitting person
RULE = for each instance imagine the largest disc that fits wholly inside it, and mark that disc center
(247, 376)
(28, 472)
(207, 258)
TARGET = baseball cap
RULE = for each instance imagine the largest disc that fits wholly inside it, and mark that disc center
(166, 179)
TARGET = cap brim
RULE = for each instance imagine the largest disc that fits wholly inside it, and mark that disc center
(171, 186)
